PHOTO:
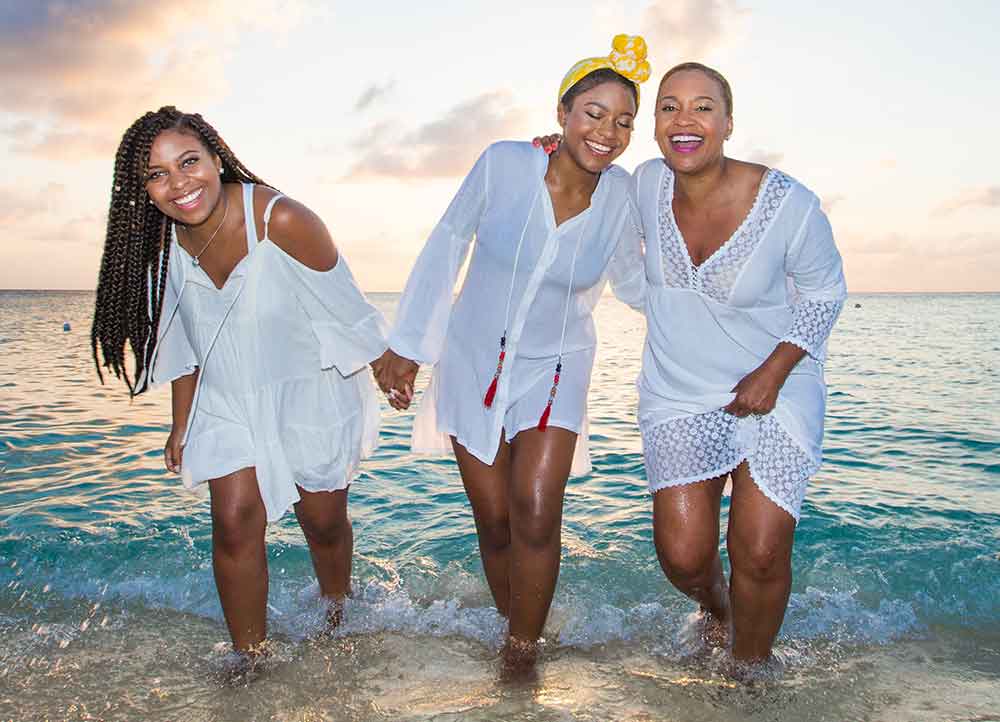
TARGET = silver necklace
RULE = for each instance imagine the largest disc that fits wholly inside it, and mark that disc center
(195, 257)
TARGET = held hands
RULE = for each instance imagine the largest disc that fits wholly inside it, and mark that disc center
(396, 376)
(548, 143)
(173, 451)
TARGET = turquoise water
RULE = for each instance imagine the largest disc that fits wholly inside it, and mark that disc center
(108, 608)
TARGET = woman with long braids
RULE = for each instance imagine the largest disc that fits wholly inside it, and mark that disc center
(237, 296)
(513, 353)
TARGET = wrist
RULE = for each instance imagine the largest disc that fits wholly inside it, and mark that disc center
(775, 370)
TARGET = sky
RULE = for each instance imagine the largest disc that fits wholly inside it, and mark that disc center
(371, 113)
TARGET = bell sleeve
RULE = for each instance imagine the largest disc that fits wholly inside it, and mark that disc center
(173, 355)
(816, 275)
(425, 306)
(350, 330)
(627, 270)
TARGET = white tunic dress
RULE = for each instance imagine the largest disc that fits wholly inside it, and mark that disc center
(560, 274)
(283, 386)
(778, 278)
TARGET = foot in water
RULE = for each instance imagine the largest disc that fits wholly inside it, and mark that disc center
(519, 658)
(714, 631)
(242, 667)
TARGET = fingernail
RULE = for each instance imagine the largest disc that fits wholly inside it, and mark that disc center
(536, 143)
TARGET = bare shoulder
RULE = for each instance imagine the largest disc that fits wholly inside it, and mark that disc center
(748, 177)
(296, 230)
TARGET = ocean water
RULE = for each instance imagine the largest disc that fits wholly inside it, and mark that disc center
(108, 608)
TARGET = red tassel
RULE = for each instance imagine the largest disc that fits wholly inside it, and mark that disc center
(544, 421)
(491, 392)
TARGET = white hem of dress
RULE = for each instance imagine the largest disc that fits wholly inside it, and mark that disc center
(709, 475)
(202, 490)
(478, 454)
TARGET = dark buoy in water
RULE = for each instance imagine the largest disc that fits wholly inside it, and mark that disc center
(857, 305)
(66, 326)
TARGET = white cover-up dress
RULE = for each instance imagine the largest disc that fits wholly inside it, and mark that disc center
(778, 278)
(504, 203)
(283, 385)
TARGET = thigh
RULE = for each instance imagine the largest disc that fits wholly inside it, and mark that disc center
(758, 528)
(687, 515)
(541, 462)
(486, 485)
(321, 509)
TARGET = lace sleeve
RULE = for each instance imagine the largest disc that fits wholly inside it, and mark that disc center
(812, 322)
(816, 273)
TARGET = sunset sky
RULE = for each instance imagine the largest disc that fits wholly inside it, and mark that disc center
(371, 113)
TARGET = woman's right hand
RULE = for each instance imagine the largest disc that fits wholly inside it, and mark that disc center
(548, 143)
(396, 376)
(173, 451)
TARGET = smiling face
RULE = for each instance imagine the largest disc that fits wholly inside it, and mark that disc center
(692, 121)
(597, 127)
(183, 177)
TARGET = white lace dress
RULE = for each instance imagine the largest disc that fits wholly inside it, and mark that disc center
(778, 278)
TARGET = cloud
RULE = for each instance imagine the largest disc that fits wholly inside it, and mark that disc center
(16, 206)
(78, 70)
(446, 147)
(373, 94)
(680, 30)
(769, 158)
(831, 200)
(956, 245)
(984, 197)
(41, 217)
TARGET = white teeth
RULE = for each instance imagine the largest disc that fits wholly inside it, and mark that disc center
(597, 147)
(686, 138)
(189, 198)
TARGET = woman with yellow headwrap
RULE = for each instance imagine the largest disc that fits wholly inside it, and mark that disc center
(513, 353)
(744, 286)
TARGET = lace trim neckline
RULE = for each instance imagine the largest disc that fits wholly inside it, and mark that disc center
(762, 188)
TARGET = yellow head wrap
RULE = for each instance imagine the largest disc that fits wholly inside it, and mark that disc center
(627, 58)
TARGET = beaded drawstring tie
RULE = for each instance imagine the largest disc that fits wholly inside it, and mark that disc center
(491, 392)
(543, 422)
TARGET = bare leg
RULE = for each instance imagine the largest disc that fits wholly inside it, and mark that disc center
(686, 536)
(488, 489)
(540, 468)
(328, 531)
(760, 550)
(238, 556)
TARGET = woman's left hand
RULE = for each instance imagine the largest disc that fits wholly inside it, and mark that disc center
(548, 143)
(756, 393)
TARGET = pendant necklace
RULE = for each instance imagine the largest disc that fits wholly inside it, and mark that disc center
(195, 258)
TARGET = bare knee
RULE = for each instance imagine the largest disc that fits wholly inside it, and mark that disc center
(536, 526)
(326, 529)
(683, 556)
(238, 525)
(762, 560)
(494, 531)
